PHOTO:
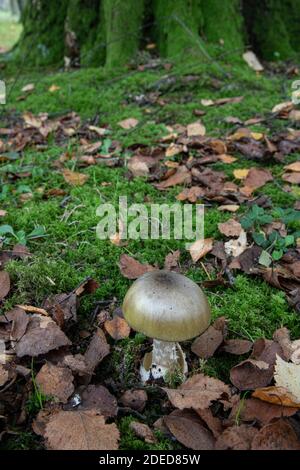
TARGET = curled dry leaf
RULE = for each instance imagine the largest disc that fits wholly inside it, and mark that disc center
(117, 328)
(99, 398)
(276, 395)
(4, 284)
(189, 431)
(291, 349)
(206, 344)
(230, 228)
(33, 309)
(55, 381)
(292, 177)
(229, 207)
(253, 61)
(236, 438)
(132, 268)
(135, 399)
(293, 166)
(74, 178)
(279, 435)
(42, 335)
(80, 430)
(200, 248)
(197, 392)
(96, 350)
(251, 374)
(237, 346)
(143, 431)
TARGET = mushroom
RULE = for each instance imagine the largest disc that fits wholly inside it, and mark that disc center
(167, 307)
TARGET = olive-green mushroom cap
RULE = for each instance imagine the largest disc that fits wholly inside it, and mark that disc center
(167, 306)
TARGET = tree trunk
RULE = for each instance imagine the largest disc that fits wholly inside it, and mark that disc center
(110, 32)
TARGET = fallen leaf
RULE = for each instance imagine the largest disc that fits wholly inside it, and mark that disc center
(171, 260)
(251, 374)
(236, 247)
(213, 423)
(97, 350)
(200, 248)
(253, 409)
(295, 166)
(4, 284)
(227, 158)
(195, 129)
(19, 320)
(293, 177)
(236, 438)
(229, 207)
(80, 430)
(206, 344)
(230, 228)
(237, 346)
(282, 106)
(28, 88)
(55, 381)
(241, 174)
(117, 328)
(143, 432)
(257, 177)
(132, 268)
(4, 375)
(191, 194)
(276, 395)
(181, 176)
(173, 149)
(129, 123)
(100, 399)
(53, 88)
(42, 335)
(99, 130)
(74, 178)
(197, 392)
(287, 376)
(279, 435)
(134, 399)
(189, 431)
(253, 61)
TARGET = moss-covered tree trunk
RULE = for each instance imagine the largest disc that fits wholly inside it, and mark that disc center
(110, 32)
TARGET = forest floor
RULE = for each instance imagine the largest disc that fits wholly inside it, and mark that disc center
(35, 193)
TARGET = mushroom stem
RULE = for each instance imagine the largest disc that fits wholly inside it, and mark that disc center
(166, 356)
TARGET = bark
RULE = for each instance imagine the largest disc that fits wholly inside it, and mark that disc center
(111, 32)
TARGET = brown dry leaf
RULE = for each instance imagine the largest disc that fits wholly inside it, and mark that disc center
(276, 395)
(235, 247)
(291, 349)
(99, 130)
(74, 178)
(138, 166)
(55, 381)
(230, 228)
(213, 423)
(143, 432)
(287, 375)
(251, 374)
(229, 207)
(206, 344)
(173, 149)
(32, 121)
(286, 105)
(20, 322)
(188, 430)
(257, 177)
(33, 309)
(134, 399)
(236, 438)
(294, 115)
(279, 435)
(241, 174)
(253, 61)
(191, 194)
(100, 399)
(181, 176)
(237, 346)
(117, 328)
(53, 88)
(96, 350)
(293, 177)
(227, 158)
(129, 123)
(4, 284)
(27, 88)
(80, 430)
(195, 129)
(200, 248)
(42, 335)
(252, 410)
(295, 166)
(76, 363)
(197, 392)
(131, 268)
(171, 260)
(88, 286)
